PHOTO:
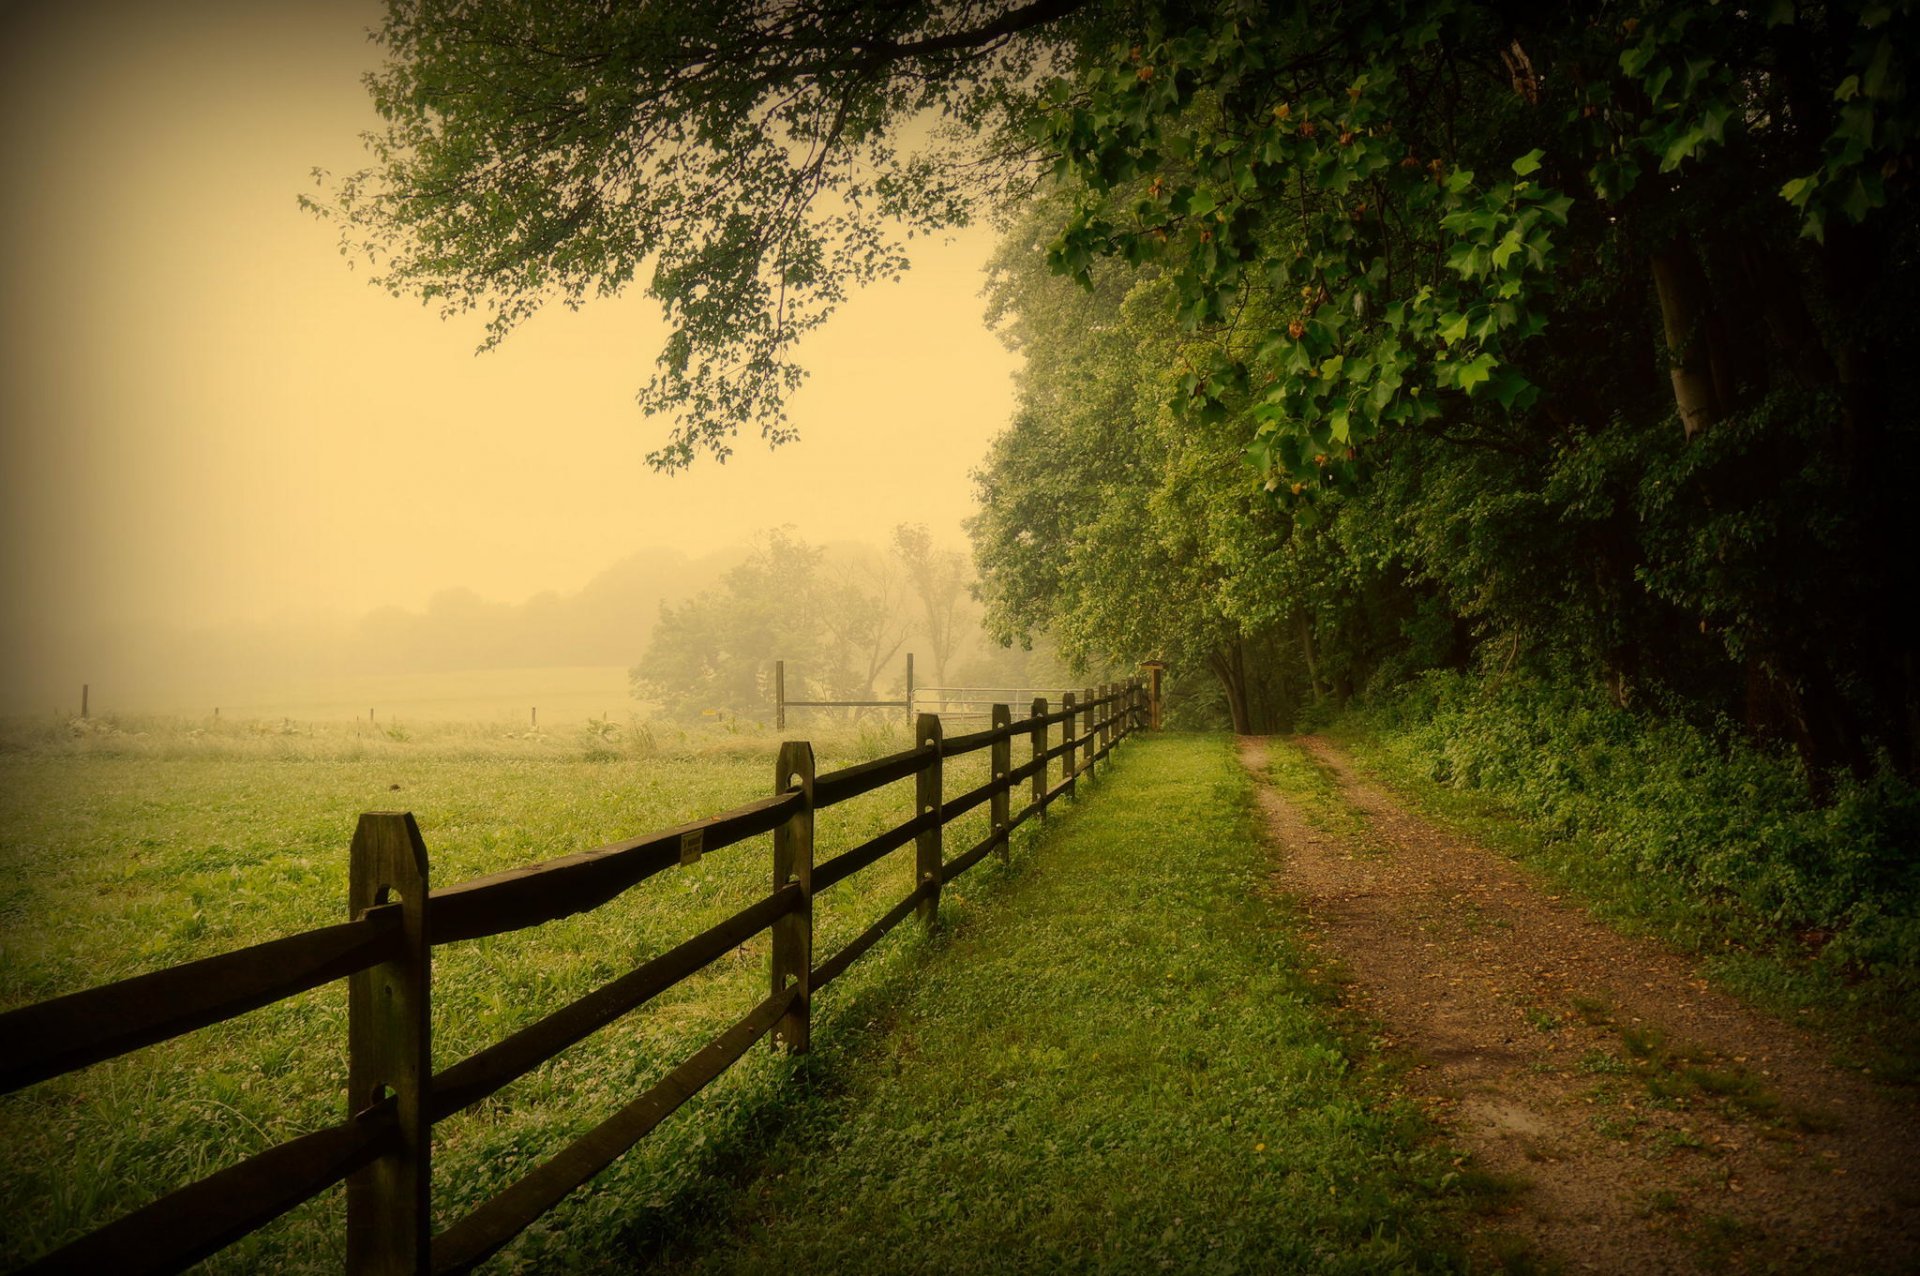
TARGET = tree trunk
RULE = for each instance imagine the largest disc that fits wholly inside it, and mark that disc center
(1305, 625)
(1682, 288)
(1226, 667)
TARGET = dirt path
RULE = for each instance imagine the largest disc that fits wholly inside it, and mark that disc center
(1651, 1123)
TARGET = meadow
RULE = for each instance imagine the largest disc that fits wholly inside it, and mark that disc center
(130, 844)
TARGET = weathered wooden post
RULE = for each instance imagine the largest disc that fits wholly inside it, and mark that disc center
(909, 686)
(779, 695)
(792, 962)
(928, 797)
(999, 807)
(1069, 768)
(1087, 714)
(1039, 739)
(1154, 668)
(389, 1202)
(84, 688)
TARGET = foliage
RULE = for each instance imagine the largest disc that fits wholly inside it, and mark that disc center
(1429, 262)
(745, 159)
(1659, 806)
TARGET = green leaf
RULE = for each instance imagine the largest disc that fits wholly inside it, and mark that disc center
(1508, 247)
(1475, 371)
(1528, 163)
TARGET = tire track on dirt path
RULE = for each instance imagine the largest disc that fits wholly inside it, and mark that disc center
(1656, 1124)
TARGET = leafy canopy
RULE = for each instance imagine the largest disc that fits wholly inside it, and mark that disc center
(744, 158)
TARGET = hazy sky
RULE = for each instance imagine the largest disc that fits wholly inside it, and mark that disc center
(205, 415)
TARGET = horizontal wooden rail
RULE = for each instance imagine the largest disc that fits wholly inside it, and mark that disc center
(953, 808)
(486, 1229)
(843, 704)
(847, 863)
(954, 746)
(522, 897)
(852, 781)
(973, 855)
(185, 1226)
(479, 1075)
(52, 1037)
(826, 971)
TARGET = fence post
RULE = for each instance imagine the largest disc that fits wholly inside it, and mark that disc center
(780, 696)
(389, 1202)
(1108, 692)
(999, 805)
(1039, 737)
(909, 686)
(1153, 694)
(1086, 728)
(928, 797)
(792, 961)
(1069, 763)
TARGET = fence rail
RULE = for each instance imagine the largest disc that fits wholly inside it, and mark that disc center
(384, 1148)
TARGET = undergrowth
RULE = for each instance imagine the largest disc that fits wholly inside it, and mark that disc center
(1811, 908)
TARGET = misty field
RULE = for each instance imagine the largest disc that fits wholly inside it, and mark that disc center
(133, 845)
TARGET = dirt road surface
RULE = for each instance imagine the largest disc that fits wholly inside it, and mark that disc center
(1646, 1121)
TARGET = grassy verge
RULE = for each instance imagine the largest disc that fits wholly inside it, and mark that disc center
(1111, 1058)
(1604, 847)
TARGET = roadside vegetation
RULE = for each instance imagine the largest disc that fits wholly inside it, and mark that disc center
(1808, 907)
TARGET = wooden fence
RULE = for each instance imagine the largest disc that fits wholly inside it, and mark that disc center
(384, 1148)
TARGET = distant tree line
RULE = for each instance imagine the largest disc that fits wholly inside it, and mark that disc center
(842, 620)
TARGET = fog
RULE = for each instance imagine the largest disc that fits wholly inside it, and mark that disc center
(229, 460)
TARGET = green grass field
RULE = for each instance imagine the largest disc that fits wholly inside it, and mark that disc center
(132, 849)
(1123, 1008)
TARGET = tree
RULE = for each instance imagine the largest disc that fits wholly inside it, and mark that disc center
(938, 579)
(742, 156)
(836, 622)
(714, 652)
(1517, 244)
(1108, 524)
(863, 613)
